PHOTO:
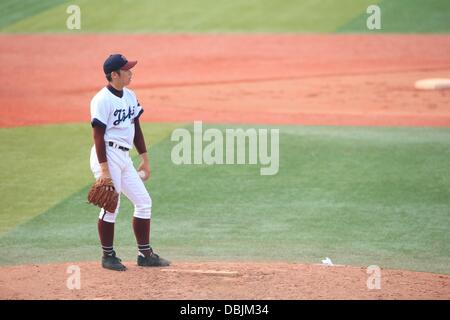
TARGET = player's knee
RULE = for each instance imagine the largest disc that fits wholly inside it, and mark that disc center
(143, 209)
(110, 216)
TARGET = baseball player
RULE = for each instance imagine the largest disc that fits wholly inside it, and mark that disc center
(115, 114)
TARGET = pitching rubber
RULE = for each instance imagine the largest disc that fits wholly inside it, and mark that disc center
(222, 273)
(433, 84)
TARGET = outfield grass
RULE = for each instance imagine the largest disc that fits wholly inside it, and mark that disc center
(406, 16)
(42, 165)
(224, 16)
(12, 11)
(358, 195)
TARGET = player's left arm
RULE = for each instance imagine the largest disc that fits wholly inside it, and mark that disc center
(141, 148)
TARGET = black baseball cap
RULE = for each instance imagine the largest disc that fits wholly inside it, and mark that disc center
(116, 62)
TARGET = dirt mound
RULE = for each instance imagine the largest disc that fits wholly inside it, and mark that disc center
(217, 280)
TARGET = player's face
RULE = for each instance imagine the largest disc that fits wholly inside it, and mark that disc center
(125, 76)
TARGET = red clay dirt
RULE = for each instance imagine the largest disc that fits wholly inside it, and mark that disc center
(218, 280)
(264, 78)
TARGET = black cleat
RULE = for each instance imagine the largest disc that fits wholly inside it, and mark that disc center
(111, 262)
(152, 261)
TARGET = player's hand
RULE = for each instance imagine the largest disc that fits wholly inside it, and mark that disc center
(105, 177)
(144, 166)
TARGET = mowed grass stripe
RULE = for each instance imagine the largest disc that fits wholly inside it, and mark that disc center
(406, 16)
(12, 11)
(42, 165)
(198, 16)
(361, 196)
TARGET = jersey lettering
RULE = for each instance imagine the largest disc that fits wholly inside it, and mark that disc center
(122, 115)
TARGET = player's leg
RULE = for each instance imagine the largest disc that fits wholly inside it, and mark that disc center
(134, 189)
(106, 221)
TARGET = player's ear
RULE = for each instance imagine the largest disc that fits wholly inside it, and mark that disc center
(115, 74)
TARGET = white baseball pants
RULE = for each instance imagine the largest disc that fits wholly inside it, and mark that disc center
(126, 180)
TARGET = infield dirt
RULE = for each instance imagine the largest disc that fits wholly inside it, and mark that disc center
(274, 280)
(274, 79)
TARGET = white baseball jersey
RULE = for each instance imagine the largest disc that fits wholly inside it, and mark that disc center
(116, 115)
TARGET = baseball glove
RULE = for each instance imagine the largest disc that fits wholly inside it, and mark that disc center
(104, 195)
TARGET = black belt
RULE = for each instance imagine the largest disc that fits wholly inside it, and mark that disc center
(115, 145)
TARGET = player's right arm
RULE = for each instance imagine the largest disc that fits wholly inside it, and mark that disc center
(100, 148)
(99, 120)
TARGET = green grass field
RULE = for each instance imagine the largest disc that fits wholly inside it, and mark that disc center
(224, 16)
(358, 195)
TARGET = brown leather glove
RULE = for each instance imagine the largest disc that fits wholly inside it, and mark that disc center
(102, 193)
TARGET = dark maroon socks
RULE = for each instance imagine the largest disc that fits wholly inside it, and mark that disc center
(106, 233)
(141, 229)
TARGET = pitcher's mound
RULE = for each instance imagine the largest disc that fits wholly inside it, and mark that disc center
(216, 280)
